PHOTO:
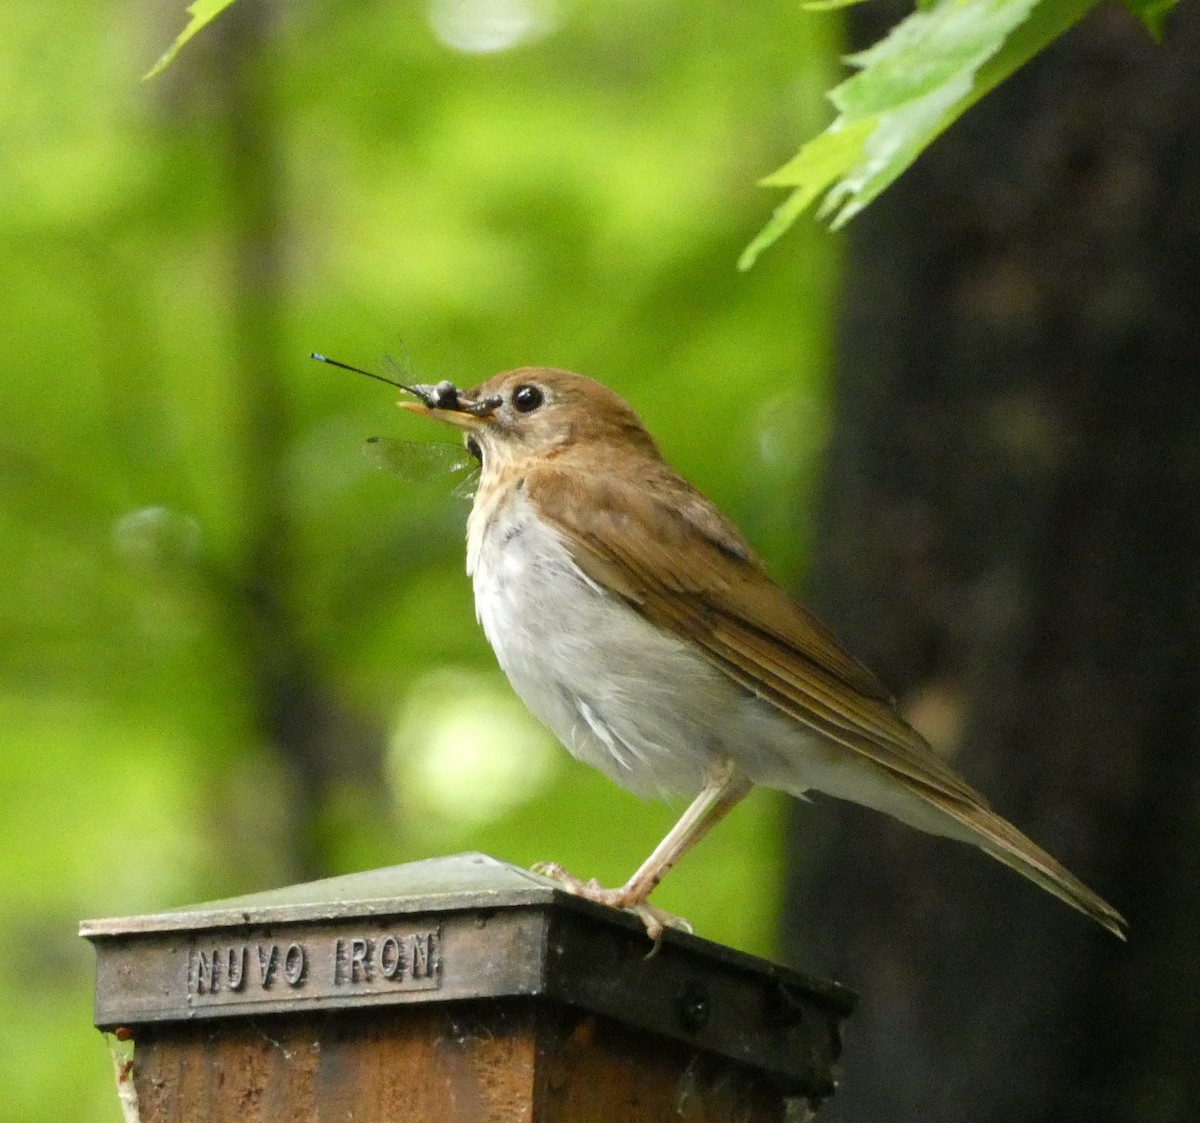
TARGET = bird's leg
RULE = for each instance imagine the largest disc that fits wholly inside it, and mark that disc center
(724, 788)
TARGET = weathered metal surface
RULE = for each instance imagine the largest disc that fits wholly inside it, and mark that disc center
(458, 929)
(740, 1007)
(460, 881)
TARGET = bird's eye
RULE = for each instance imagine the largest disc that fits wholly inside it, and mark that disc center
(473, 449)
(527, 398)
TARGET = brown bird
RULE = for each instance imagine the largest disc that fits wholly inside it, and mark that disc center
(637, 623)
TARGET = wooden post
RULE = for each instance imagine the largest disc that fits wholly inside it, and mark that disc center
(455, 989)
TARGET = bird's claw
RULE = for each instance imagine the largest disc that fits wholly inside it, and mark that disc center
(570, 882)
(658, 920)
(655, 919)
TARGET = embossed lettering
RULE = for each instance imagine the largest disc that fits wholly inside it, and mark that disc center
(391, 958)
(205, 973)
(294, 965)
(267, 960)
(236, 972)
(424, 960)
(360, 960)
(366, 960)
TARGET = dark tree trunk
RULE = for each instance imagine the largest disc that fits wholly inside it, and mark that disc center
(1011, 539)
(322, 744)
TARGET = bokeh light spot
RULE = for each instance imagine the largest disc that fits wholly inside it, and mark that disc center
(479, 27)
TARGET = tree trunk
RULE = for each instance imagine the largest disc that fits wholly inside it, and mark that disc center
(1011, 539)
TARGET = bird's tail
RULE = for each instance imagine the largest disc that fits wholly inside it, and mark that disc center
(1000, 839)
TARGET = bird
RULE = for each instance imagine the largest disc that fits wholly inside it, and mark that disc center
(637, 623)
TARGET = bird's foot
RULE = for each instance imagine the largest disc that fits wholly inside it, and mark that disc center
(655, 919)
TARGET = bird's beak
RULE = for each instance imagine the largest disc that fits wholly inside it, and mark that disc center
(453, 417)
(444, 402)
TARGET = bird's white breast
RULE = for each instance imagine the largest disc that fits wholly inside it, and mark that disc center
(623, 696)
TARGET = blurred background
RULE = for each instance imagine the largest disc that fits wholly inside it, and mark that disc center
(234, 654)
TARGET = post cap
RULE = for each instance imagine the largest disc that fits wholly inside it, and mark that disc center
(454, 928)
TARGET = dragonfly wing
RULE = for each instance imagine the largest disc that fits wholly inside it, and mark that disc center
(422, 461)
(414, 460)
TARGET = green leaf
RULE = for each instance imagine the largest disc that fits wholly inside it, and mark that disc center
(810, 172)
(828, 5)
(909, 88)
(1153, 13)
(203, 12)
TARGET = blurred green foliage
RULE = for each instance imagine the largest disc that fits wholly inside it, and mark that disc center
(202, 579)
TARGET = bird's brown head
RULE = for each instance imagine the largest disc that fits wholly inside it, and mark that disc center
(536, 413)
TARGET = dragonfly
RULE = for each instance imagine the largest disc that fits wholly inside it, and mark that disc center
(419, 461)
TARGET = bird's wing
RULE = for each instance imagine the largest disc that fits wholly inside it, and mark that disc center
(667, 551)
